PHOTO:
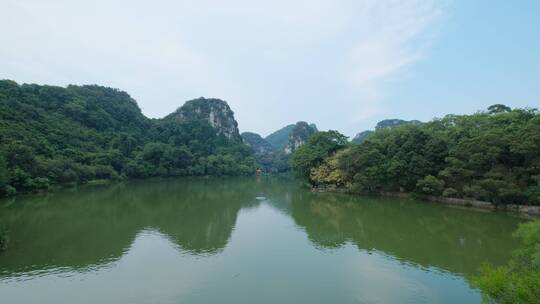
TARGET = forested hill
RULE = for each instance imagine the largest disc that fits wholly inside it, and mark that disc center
(214, 111)
(492, 155)
(259, 145)
(53, 135)
(281, 138)
(273, 152)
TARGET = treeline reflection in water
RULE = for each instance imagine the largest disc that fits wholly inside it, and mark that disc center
(91, 227)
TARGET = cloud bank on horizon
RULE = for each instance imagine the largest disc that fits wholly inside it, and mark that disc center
(275, 62)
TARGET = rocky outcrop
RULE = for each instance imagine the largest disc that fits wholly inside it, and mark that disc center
(216, 112)
(280, 138)
(301, 132)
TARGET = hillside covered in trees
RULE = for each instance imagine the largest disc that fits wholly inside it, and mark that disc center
(273, 152)
(54, 136)
(281, 138)
(491, 156)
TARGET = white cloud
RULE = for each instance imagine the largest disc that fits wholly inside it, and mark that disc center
(274, 61)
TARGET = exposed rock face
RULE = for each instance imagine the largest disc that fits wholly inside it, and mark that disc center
(215, 111)
(299, 135)
(280, 138)
(259, 145)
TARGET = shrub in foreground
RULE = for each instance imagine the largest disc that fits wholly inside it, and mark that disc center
(519, 281)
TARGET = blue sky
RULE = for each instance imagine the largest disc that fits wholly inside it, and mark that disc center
(341, 64)
(486, 52)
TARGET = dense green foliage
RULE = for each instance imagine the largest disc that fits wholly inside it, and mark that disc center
(519, 281)
(318, 147)
(53, 136)
(491, 156)
(387, 123)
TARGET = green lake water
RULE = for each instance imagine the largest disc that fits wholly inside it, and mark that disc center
(242, 240)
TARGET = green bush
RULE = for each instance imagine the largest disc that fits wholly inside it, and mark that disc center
(38, 183)
(476, 192)
(318, 147)
(430, 185)
(450, 192)
(10, 190)
(519, 280)
(533, 195)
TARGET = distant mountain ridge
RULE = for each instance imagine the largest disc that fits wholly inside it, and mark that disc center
(280, 138)
(390, 123)
(386, 123)
(272, 153)
(257, 143)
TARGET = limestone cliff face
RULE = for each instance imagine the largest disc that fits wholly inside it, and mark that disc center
(301, 132)
(216, 112)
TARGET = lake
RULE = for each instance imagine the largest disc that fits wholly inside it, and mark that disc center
(242, 240)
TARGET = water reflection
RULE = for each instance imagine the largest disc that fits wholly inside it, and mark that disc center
(92, 228)
(78, 228)
(430, 235)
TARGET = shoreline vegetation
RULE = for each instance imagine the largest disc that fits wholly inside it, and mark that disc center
(490, 159)
(519, 280)
(53, 137)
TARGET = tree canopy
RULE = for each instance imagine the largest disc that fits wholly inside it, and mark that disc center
(491, 156)
(53, 136)
(318, 147)
(519, 281)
